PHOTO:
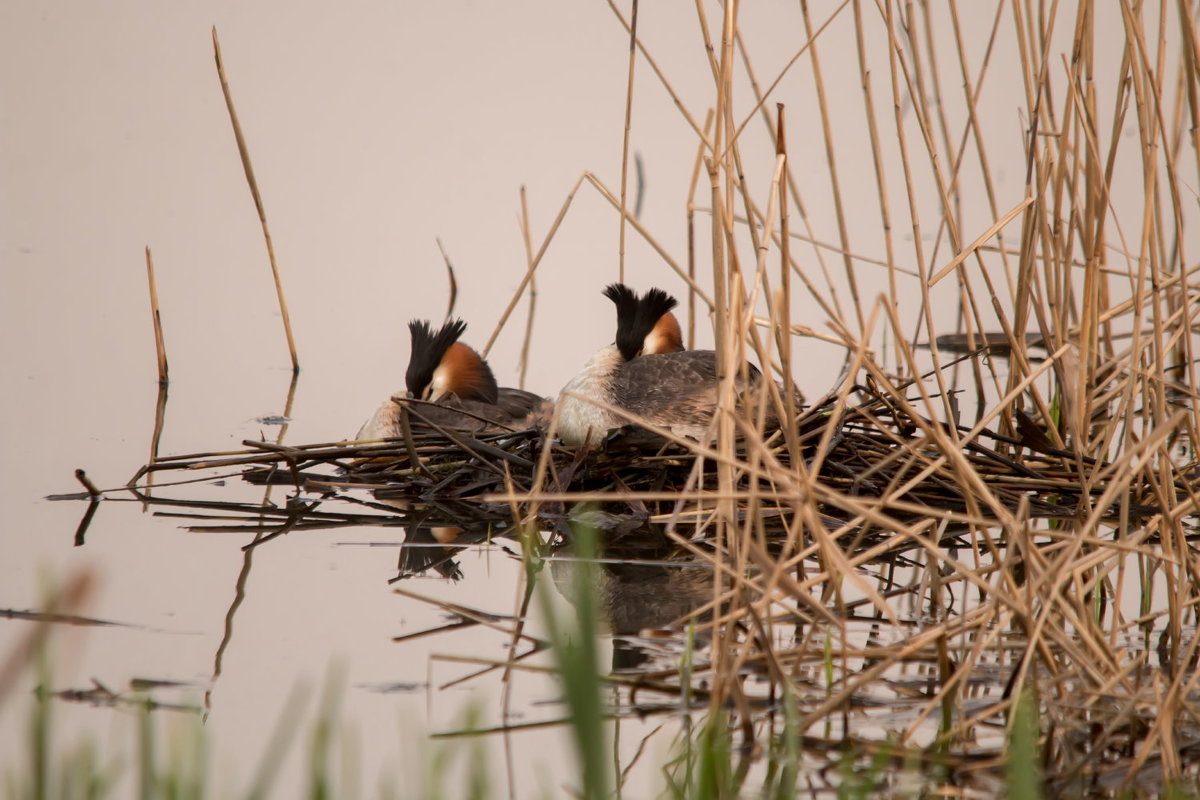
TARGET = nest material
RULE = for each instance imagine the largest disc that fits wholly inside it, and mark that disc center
(871, 450)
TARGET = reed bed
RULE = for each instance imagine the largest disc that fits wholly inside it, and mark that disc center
(866, 572)
(979, 542)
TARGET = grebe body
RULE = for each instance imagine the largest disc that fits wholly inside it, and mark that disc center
(645, 372)
(580, 420)
(458, 386)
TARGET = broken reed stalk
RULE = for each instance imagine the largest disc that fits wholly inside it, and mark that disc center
(160, 420)
(248, 168)
(451, 281)
(160, 348)
(92, 491)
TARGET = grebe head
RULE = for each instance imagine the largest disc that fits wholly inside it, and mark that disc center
(440, 365)
(644, 324)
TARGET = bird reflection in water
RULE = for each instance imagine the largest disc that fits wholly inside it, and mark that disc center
(424, 550)
(643, 584)
(644, 590)
(450, 386)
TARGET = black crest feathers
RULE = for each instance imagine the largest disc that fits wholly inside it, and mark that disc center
(428, 349)
(636, 317)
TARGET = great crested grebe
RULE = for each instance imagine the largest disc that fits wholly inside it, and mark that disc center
(448, 373)
(646, 372)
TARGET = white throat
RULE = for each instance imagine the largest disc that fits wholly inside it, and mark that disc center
(439, 386)
(580, 420)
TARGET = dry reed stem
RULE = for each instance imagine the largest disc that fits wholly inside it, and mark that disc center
(969, 250)
(625, 141)
(160, 351)
(451, 280)
(160, 419)
(766, 95)
(533, 265)
(616, 203)
(248, 168)
(831, 163)
(523, 364)
(691, 232)
(160, 348)
(832, 305)
(693, 286)
(702, 133)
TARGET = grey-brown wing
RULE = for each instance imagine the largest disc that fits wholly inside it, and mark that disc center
(672, 388)
(448, 415)
(518, 403)
(512, 409)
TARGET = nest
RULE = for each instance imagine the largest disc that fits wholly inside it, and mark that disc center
(872, 450)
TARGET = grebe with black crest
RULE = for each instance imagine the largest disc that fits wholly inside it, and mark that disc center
(458, 386)
(646, 372)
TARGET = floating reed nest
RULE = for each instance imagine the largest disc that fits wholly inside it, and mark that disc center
(870, 450)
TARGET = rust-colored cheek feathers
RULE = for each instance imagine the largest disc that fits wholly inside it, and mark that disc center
(665, 337)
(464, 374)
